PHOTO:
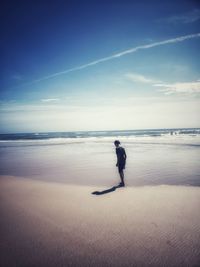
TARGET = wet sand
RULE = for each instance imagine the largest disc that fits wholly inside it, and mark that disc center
(54, 224)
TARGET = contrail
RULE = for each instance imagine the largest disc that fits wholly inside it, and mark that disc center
(117, 55)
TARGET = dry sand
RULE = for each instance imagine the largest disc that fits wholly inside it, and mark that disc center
(50, 224)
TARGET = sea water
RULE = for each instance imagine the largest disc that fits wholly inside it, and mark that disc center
(154, 157)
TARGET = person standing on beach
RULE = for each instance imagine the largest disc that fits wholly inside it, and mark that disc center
(121, 161)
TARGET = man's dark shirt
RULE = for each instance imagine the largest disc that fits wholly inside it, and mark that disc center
(121, 156)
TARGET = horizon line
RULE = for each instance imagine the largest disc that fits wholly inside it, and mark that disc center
(141, 129)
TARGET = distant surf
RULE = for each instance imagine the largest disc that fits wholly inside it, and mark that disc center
(154, 157)
(187, 136)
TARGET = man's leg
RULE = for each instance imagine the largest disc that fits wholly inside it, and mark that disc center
(122, 177)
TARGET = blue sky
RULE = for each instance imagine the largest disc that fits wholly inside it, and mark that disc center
(99, 65)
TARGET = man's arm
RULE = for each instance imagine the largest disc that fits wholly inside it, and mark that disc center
(117, 162)
(125, 154)
(117, 159)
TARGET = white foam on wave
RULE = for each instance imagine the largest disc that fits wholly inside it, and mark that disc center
(183, 139)
(50, 141)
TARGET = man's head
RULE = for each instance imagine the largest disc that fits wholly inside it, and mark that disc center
(117, 143)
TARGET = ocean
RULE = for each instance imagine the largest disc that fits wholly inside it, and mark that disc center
(154, 157)
(189, 136)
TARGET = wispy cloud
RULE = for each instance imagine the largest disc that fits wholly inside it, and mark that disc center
(117, 55)
(167, 88)
(181, 88)
(186, 18)
(135, 77)
(50, 100)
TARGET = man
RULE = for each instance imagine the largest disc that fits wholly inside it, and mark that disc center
(121, 160)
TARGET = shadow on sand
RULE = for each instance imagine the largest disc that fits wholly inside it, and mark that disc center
(112, 189)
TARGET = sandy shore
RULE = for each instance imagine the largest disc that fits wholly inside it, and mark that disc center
(50, 224)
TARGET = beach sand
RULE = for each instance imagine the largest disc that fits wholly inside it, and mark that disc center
(54, 224)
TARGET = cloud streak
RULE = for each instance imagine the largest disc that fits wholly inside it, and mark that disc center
(50, 99)
(186, 18)
(135, 77)
(187, 88)
(117, 55)
(181, 88)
